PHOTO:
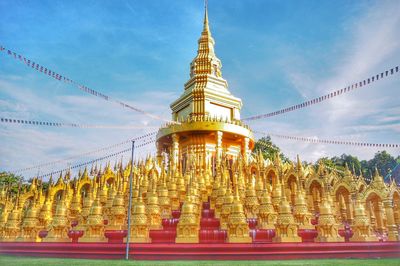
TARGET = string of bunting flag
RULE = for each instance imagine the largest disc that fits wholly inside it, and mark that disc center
(52, 74)
(328, 96)
(106, 157)
(65, 160)
(337, 142)
(62, 124)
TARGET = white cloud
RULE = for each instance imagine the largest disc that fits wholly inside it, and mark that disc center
(24, 146)
(369, 114)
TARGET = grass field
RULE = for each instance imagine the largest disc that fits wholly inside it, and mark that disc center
(16, 261)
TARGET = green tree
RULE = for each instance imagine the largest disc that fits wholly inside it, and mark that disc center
(352, 162)
(383, 161)
(396, 172)
(366, 171)
(268, 149)
(11, 181)
(327, 162)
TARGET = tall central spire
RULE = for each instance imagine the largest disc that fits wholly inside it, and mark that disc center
(206, 27)
(206, 62)
(206, 93)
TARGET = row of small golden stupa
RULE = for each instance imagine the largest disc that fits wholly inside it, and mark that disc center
(286, 197)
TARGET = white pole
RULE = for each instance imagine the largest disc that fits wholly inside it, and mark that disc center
(129, 205)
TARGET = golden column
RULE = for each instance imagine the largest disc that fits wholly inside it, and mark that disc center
(175, 151)
(245, 150)
(393, 233)
(379, 217)
(350, 209)
(218, 148)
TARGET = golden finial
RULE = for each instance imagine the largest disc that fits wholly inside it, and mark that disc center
(206, 27)
(299, 165)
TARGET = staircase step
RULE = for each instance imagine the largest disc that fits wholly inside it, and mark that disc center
(252, 223)
(262, 235)
(209, 223)
(207, 213)
(162, 236)
(170, 224)
(212, 236)
(176, 214)
(206, 205)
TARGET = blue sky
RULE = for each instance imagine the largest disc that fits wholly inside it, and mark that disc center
(274, 54)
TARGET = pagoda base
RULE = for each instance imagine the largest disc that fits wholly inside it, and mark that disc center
(10, 239)
(239, 239)
(91, 239)
(286, 239)
(264, 251)
(187, 240)
(140, 240)
(28, 239)
(363, 238)
(325, 239)
(56, 240)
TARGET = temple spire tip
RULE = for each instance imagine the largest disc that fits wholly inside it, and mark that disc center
(206, 27)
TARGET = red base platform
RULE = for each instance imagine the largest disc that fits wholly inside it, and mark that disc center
(155, 251)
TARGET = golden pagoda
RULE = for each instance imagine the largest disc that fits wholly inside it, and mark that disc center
(205, 158)
(207, 116)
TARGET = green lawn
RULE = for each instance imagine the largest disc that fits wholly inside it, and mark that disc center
(15, 261)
